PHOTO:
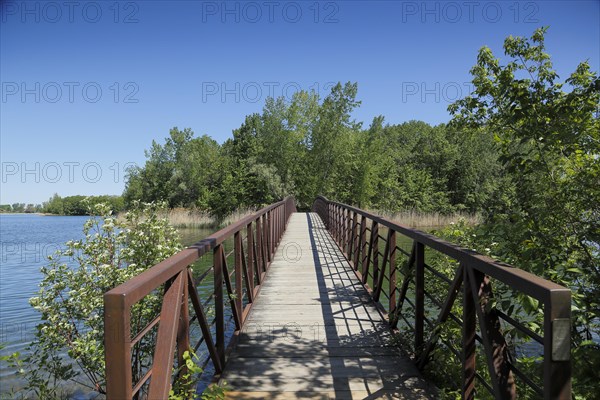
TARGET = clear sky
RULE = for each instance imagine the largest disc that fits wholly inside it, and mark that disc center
(87, 85)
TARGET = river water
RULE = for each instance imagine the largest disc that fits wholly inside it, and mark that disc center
(25, 242)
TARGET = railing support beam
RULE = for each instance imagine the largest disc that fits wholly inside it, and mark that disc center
(419, 296)
(468, 339)
(218, 257)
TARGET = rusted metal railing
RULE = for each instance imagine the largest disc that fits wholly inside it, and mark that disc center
(254, 242)
(404, 286)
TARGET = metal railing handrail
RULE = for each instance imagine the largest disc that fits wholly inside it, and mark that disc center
(263, 231)
(348, 226)
(141, 285)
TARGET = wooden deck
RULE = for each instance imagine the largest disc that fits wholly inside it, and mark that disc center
(314, 332)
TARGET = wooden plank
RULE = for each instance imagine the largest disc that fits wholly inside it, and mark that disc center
(248, 350)
(326, 383)
(314, 328)
(412, 394)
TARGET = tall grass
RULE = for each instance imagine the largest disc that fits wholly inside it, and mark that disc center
(416, 219)
(190, 218)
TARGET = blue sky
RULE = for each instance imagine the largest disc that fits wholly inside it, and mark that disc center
(87, 85)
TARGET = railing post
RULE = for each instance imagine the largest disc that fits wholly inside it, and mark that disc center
(354, 243)
(183, 331)
(392, 262)
(219, 311)
(266, 245)
(271, 218)
(237, 239)
(342, 228)
(271, 215)
(278, 226)
(275, 228)
(250, 258)
(419, 296)
(259, 249)
(363, 244)
(557, 345)
(267, 236)
(338, 228)
(375, 233)
(330, 218)
(340, 225)
(349, 236)
(468, 338)
(367, 259)
(345, 215)
(335, 223)
(117, 336)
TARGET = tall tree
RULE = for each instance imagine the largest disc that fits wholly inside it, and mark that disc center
(548, 133)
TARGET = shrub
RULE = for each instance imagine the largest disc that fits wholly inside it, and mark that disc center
(70, 298)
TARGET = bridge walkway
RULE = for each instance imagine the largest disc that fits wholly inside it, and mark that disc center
(314, 332)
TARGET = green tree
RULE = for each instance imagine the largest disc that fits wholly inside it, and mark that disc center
(158, 180)
(18, 207)
(548, 133)
(195, 173)
(54, 205)
(330, 144)
(70, 299)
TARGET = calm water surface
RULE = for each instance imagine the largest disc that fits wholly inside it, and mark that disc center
(26, 240)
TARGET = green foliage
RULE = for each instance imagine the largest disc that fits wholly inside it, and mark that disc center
(308, 146)
(20, 208)
(540, 145)
(550, 143)
(185, 386)
(187, 378)
(215, 392)
(70, 298)
(182, 172)
(80, 205)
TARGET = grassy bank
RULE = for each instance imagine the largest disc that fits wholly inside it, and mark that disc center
(415, 219)
(186, 218)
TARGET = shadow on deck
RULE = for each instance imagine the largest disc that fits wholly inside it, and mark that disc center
(314, 331)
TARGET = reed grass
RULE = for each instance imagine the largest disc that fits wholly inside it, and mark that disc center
(185, 218)
(190, 218)
(416, 219)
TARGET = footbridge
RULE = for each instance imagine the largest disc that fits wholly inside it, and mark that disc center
(336, 303)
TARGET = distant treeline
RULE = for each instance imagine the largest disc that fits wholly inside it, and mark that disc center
(20, 208)
(80, 205)
(69, 205)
